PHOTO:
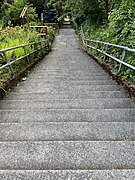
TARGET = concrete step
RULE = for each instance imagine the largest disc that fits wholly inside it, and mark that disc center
(126, 174)
(68, 131)
(67, 155)
(59, 89)
(70, 58)
(67, 89)
(65, 84)
(68, 78)
(70, 75)
(74, 95)
(43, 69)
(66, 26)
(67, 73)
(68, 104)
(67, 115)
(76, 57)
(68, 70)
(67, 67)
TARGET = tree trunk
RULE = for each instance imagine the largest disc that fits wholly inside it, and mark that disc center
(107, 8)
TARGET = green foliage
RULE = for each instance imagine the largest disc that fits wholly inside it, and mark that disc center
(119, 30)
(11, 12)
(51, 34)
(40, 5)
(11, 37)
(87, 11)
(1, 2)
(64, 7)
(122, 23)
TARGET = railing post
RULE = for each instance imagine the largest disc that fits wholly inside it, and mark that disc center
(106, 50)
(46, 44)
(8, 62)
(41, 48)
(123, 58)
(25, 52)
(35, 49)
(97, 45)
(82, 34)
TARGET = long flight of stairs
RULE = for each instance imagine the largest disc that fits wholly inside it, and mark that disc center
(68, 121)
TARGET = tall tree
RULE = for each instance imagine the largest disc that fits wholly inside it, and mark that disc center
(107, 8)
(39, 4)
(1, 2)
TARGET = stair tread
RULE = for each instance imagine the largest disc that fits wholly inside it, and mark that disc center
(69, 104)
(55, 131)
(126, 174)
(73, 115)
(67, 155)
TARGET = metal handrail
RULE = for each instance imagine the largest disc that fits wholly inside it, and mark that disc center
(114, 45)
(105, 52)
(26, 55)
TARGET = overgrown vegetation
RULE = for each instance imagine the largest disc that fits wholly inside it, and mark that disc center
(10, 37)
(11, 11)
(120, 29)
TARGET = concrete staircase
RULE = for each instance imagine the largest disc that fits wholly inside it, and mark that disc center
(68, 121)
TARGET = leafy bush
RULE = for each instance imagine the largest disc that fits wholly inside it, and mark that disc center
(119, 30)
